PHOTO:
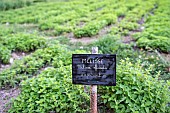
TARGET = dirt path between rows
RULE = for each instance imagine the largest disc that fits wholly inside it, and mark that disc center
(5, 98)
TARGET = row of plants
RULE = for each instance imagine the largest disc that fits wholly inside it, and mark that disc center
(69, 22)
(93, 27)
(19, 42)
(91, 14)
(33, 14)
(131, 21)
(156, 34)
(29, 65)
(14, 4)
(59, 59)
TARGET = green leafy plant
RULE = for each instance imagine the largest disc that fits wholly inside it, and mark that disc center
(136, 91)
(51, 91)
(93, 27)
(107, 44)
(156, 34)
(5, 54)
(90, 29)
(148, 59)
(19, 42)
(155, 42)
(24, 42)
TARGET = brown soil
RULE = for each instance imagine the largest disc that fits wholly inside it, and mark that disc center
(127, 39)
(81, 24)
(120, 18)
(18, 56)
(4, 66)
(5, 98)
(166, 56)
(141, 21)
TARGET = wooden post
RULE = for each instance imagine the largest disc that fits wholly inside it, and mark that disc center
(93, 90)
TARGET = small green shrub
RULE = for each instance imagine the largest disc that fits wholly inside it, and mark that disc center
(61, 29)
(136, 91)
(152, 58)
(24, 42)
(129, 25)
(156, 42)
(121, 11)
(5, 54)
(114, 30)
(110, 18)
(90, 29)
(107, 44)
(19, 42)
(51, 91)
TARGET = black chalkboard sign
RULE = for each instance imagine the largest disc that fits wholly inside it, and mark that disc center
(94, 69)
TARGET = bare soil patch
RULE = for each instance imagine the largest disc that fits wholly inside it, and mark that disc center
(5, 98)
(128, 39)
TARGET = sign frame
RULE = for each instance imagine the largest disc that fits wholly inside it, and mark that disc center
(89, 68)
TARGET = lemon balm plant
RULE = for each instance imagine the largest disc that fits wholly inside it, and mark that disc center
(5, 54)
(51, 91)
(19, 43)
(136, 91)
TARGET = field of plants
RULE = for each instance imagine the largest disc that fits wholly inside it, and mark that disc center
(38, 38)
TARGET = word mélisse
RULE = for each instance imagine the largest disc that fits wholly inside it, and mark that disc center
(92, 60)
(95, 64)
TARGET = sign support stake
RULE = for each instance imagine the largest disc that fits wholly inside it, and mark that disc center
(93, 90)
